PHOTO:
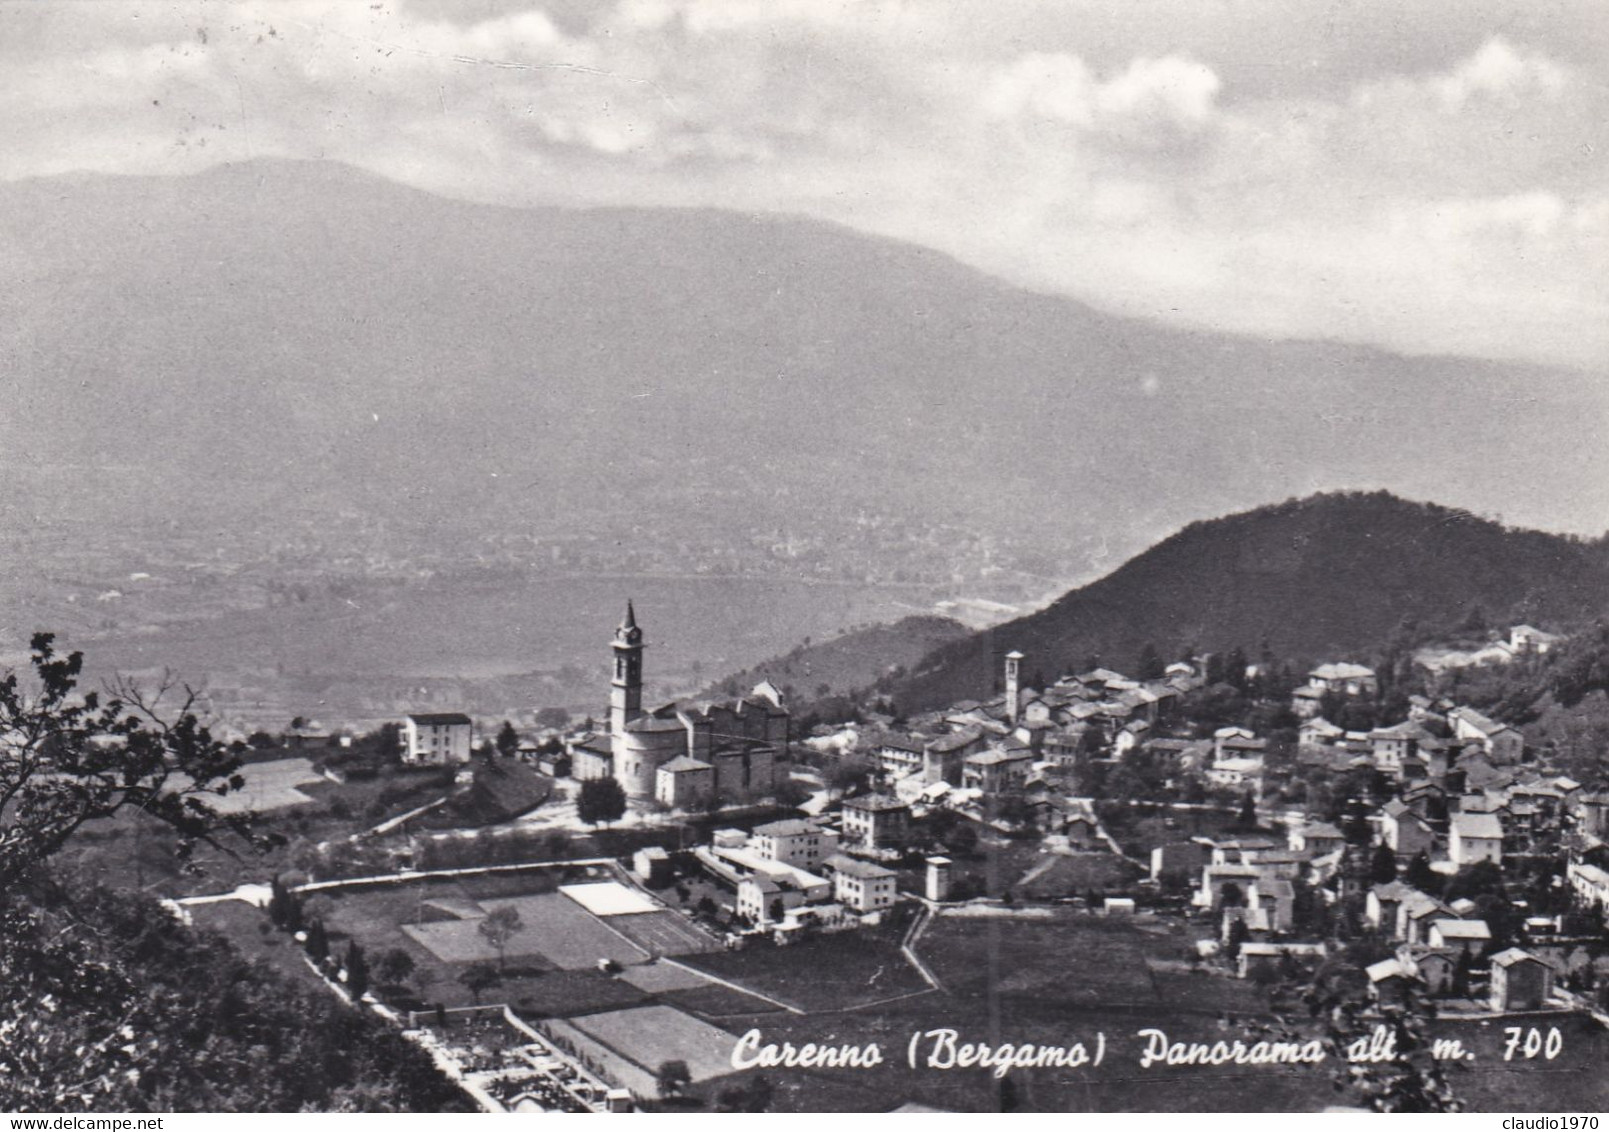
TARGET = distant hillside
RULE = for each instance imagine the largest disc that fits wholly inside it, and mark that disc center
(854, 661)
(280, 338)
(1329, 576)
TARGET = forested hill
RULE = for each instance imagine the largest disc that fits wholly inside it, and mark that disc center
(849, 665)
(1330, 576)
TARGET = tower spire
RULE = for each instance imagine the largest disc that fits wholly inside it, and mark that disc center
(625, 690)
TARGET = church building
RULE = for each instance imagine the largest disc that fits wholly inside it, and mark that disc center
(680, 753)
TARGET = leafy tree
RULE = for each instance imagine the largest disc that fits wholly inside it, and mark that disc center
(602, 800)
(1248, 811)
(1238, 934)
(479, 978)
(1235, 665)
(1150, 665)
(318, 942)
(284, 907)
(107, 1004)
(791, 792)
(552, 717)
(357, 971)
(498, 928)
(1309, 912)
(396, 967)
(755, 1096)
(848, 774)
(1355, 822)
(1420, 875)
(672, 1077)
(1461, 973)
(1356, 714)
(508, 740)
(962, 839)
(1383, 865)
(1473, 881)
(1013, 809)
(386, 741)
(68, 759)
(1410, 1081)
(277, 899)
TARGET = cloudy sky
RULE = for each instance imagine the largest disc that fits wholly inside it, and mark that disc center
(1428, 177)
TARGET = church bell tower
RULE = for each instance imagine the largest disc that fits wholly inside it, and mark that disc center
(625, 689)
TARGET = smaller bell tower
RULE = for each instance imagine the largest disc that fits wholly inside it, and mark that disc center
(625, 688)
(1013, 686)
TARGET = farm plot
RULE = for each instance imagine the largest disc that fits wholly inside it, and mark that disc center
(1087, 960)
(656, 978)
(833, 972)
(552, 928)
(649, 1035)
(717, 1002)
(565, 934)
(269, 785)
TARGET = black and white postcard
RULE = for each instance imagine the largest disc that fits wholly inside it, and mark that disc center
(692, 556)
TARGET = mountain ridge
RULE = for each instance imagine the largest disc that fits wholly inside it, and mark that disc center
(1332, 576)
(385, 336)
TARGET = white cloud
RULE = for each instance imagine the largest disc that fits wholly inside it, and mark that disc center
(1129, 157)
(1174, 89)
(1500, 73)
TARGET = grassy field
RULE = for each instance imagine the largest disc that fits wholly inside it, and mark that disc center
(1089, 960)
(130, 851)
(269, 785)
(831, 972)
(553, 930)
(651, 1034)
(549, 966)
(244, 925)
(1053, 979)
(716, 1002)
(1076, 977)
(1078, 875)
(556, 994)
(1575, 1081)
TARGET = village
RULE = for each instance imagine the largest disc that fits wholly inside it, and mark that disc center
(1430, 862)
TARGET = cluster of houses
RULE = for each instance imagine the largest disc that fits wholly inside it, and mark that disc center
(1522, 641)
(1247, 885)
(801, 874)
(1440, 946)
(999, 744)
(1439, 740)
(1024, 742)
(1461, 793)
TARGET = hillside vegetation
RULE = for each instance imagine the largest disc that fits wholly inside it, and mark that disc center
(1333, 576)
(850, 665)
(109, 1004)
